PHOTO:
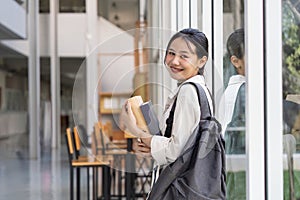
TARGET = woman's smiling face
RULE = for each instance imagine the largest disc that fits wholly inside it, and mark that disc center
(181, 60)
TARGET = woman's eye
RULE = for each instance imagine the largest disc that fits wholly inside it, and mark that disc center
(184, 56)
(171, 53)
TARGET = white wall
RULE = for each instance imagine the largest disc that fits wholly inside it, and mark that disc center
(116, 73)
(44, 35)
(115, 61)
(113, 39)
(72, 37)
(116, 58)
(71, 34)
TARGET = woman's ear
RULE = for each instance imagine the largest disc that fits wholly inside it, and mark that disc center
(202, 61)
(235, 61)
(238, 64)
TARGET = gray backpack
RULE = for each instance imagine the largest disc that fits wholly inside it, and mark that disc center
(199, 172)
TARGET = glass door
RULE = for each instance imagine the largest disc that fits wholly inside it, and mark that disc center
(232, 110)
(291, 98)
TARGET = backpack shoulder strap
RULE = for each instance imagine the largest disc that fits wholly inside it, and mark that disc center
(203, 101)
(170, 120)
(204, 107)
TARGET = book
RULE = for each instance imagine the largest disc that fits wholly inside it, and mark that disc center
(150, 118)
(145, 116)
(135, 103)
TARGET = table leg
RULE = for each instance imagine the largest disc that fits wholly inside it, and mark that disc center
(130, 172)
(78, 183)
(106, 182)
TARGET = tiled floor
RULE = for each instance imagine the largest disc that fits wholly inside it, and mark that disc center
(26, 179)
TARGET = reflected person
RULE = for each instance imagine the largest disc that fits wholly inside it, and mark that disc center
(233, 123)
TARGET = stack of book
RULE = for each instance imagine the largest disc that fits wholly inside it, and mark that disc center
(146, 118)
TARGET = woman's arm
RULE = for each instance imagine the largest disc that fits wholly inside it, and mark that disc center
(128, 123)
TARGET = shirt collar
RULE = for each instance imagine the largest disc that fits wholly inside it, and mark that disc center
(237, 79)
(196, 79)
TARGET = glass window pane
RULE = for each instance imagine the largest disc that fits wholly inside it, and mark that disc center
(72, 6)
(44, 6)
(291, 97)
(232, 108)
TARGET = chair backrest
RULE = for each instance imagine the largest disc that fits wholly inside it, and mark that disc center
(77, 142)
(104, 132)
(95, 139)
(69, 141)
(98, 137)
(107, 131)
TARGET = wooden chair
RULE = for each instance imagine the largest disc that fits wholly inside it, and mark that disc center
(103, 145)
(77, 162)
(106, 137)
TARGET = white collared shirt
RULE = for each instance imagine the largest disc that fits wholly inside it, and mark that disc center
(229, 99)
(186, 118)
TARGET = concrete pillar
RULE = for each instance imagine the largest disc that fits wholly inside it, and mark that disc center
(91, 66)
(54, 76)
(34, 79)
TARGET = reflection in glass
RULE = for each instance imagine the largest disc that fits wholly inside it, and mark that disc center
(232, 108)
(233, 122)
(291, 95)
(234, 96)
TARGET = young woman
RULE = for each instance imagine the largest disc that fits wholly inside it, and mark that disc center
(185, 59)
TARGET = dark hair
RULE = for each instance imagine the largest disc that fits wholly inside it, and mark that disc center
(195, 37)
(236, 44)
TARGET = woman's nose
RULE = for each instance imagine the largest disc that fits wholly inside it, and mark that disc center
(175, 60)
